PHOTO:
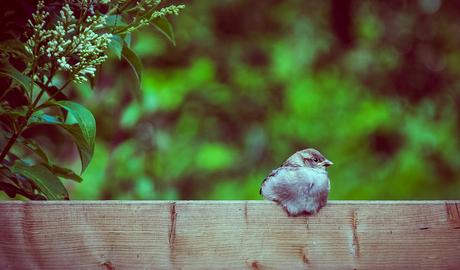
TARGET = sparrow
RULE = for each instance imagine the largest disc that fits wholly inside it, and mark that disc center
(301, 184)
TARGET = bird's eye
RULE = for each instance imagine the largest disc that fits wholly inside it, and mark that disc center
(315, 159)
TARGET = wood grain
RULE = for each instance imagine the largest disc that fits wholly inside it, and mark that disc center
(228, 235)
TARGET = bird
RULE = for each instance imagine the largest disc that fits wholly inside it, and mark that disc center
(301, 185)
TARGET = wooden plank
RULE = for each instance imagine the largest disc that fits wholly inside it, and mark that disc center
(228, 235)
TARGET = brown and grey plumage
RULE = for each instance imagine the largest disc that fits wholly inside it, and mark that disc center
(301, 184)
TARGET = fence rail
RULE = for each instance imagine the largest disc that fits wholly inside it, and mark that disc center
(228, 235)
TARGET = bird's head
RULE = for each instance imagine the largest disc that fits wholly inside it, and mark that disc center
(310, 157)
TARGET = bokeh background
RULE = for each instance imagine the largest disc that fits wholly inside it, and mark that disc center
(373, 85)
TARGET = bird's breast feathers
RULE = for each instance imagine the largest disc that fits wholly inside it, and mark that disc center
(292, 179)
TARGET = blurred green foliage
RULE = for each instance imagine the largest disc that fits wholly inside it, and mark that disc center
(373, 85)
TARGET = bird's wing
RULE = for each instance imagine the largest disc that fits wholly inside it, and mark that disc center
(285, 189)
(280, 181)
(287, 183)
(269, 176)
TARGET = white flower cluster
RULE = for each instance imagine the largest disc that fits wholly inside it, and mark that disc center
(165, 11)
(70, 38)
(155, 15)
(86, 5)
(147, 3)
(38, 33)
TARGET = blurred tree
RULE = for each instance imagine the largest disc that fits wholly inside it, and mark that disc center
(371, 84)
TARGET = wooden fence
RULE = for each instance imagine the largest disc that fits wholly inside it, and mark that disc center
(228, 235)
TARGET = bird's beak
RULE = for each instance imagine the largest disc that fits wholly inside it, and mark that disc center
(325, 163)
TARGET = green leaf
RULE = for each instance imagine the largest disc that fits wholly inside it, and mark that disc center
(12, 190)
(33, 145)
(15, 47)
(85, 150)
(25, 185)
(8, 181)
(8, 177)
(134, 61)
(116, 45)
(85, 135)
(13, 114)
(8, 118)
(13, 184)
(9, 187)
(66, 173)
(127, 39)
(6, 171)
(40, 118)
(164, 26)
(115, 20)
(44, 179)
(12, 157)
(84, 117)
(3, 140)
(10, 71)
